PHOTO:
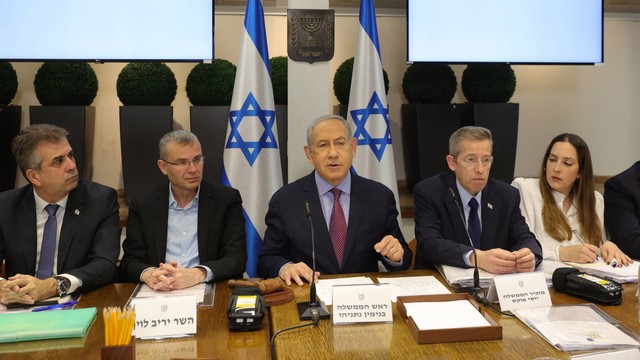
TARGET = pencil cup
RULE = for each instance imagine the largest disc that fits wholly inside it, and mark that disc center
(123, 352)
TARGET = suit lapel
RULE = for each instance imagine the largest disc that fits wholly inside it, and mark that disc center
(160, 214)
(72, 213)
(205, 216)
(490, 206)
(324, 247)
(27, 228)
(356, 205)
(455, 210)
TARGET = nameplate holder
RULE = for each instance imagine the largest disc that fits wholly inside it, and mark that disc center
(519, 291)
(167, 316)
(361, 304)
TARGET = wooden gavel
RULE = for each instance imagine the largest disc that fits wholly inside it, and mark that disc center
(267, 286)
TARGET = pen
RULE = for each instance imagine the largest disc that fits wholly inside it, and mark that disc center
(56, 306)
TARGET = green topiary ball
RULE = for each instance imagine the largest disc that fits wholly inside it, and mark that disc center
(426, 83)
(62, 83)
(488, 83)
(211, 84)
(342, 81)
(151, 84)
(8, 83)
(279, 79)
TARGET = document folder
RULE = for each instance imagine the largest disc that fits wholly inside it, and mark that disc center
(53, 324)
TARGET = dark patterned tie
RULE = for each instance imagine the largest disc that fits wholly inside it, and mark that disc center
(48, 248)
(474, 223)
(338, 227)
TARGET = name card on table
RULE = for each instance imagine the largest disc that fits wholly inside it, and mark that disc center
(168, 316)
(520, 291)
(362, 304)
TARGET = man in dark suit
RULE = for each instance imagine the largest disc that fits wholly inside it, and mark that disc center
(58, 234)
(496, 226)
(354, 219)
(186, 231)
(622, 210)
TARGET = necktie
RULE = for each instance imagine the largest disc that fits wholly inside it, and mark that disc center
(474, 223)
(48, 248)
(338, 227)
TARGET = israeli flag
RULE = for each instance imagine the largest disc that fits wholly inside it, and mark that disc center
(251, 161)
(368, 110)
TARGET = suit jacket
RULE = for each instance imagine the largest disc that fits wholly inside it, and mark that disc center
(372, 216)
(440, 230)
(622, 210)
(89, 243)
(221, 232)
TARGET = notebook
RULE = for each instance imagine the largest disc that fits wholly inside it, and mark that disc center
(53, 324)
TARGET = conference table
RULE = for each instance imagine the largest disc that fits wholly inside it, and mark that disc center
(322, 341)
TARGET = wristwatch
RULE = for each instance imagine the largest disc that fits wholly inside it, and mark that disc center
(63, 285)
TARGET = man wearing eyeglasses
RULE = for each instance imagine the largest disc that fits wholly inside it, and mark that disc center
(457, 212)
(185, 232)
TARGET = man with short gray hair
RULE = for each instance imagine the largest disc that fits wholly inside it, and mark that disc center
(186, 231)
(466, 209)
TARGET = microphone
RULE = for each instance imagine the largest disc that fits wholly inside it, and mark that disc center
(476, 292)
(573, 282)
(314, 309)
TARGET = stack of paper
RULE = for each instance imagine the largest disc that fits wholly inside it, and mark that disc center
(575, 327)
(461, 277)
(621, 274)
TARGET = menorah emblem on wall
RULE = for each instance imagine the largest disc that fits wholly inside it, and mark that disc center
(311, 25)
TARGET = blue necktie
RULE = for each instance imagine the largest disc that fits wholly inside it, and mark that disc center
(474, 223)
(48, 248)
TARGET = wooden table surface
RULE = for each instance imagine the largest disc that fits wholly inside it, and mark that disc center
(213, 339)
(394, 341)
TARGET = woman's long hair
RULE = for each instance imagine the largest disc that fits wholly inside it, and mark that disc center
(582, 194)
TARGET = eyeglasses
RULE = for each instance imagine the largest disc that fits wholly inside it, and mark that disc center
(183, 163)
(471, 161)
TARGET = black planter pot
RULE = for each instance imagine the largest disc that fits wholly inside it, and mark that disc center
(426, 129)
(209, 124)
(80, 122)
(502, 120)
(141, 128)
(10, 119)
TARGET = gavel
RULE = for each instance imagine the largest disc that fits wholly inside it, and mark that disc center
(267, 286)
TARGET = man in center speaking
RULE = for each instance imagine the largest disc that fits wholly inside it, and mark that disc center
(354, 219)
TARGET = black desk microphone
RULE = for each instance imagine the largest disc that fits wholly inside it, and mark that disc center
(314, 309)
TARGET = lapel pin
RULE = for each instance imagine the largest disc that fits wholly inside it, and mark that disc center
(77, 212)
(488, 205)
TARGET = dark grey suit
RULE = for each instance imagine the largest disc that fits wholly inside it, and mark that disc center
(440, 231)
(221, 232)
(372, 216)
(89, 242)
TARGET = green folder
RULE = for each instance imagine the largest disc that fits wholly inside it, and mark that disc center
(53, 324)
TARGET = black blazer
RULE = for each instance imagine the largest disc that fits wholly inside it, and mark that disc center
(440, 231)
(221, 234)
(372, 216)
(622, 210)
(89, 242)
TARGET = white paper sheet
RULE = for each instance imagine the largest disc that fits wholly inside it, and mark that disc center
(414, 285)
(324, 287)
(197, 290)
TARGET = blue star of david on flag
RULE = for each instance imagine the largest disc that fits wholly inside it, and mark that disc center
(362, 135)
(251, 149)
